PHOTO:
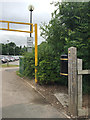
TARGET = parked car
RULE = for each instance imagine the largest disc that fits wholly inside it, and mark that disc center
(16, 57)
(7, 58)
(3, 59)
(12, 59)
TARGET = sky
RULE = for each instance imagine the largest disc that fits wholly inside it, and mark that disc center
(17, 11)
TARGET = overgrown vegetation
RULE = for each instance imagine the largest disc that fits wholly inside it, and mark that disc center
(29, 65)
(67, 27)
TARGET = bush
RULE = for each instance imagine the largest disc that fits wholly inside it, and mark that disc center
(49, 73)
(48, 66)
(46, 72)
(29, 65)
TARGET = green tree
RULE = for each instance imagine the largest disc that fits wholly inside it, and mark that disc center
(4, 49)
(12, 49)
(69, 27)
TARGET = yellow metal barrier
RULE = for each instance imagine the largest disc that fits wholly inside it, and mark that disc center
(10, 22)
(36, 46)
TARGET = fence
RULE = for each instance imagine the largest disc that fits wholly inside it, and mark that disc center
(21, 68)
(75, 73)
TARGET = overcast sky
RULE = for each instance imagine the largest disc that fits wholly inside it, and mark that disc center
(17, 10)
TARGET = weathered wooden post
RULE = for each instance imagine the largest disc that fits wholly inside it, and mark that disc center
(79, 67)
(75, 73)
(72, 81)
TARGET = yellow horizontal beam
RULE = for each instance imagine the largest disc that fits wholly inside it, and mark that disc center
(16, 30)
(16, 23)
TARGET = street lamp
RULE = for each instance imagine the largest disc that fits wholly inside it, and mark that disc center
(30, 8)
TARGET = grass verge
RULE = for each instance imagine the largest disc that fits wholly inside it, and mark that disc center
(5, 65)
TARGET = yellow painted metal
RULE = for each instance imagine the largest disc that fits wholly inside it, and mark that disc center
(63, 74)
(36, 46)
(63, 59)
(36, 54)
(8, 22)
(8, 25)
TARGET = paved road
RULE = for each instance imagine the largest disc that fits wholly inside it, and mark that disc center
(19, 100)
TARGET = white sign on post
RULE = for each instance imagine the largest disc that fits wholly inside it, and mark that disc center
(29, 44)
(29, 49)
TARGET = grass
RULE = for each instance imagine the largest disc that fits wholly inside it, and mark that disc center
(5, 65)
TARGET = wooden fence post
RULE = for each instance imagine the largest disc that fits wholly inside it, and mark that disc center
(72, 80)
(79, 66)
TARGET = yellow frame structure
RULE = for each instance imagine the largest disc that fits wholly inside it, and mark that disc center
(10, 22)
(36, 47)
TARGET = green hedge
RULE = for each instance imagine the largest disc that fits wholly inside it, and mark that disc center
(29, 65)
(48, 67)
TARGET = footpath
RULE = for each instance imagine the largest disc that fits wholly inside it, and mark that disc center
(20, 99)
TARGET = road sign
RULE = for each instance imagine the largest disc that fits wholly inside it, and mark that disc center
(29, 39)
(29, 49)
(29, 44)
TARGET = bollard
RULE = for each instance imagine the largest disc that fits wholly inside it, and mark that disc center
(64, 65)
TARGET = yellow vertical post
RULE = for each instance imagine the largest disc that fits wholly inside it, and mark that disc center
(8, 25)
(36, 54)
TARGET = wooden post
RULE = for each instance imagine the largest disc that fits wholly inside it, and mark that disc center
(72, 80)
(79, 66)
(89, 105)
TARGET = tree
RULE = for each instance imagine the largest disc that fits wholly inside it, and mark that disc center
(68, 27)
(12, 49)
(4, 49)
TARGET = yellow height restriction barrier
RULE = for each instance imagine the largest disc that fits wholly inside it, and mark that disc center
(36, 47)
(10, 22)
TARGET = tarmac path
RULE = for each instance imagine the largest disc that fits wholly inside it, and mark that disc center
(19, 100)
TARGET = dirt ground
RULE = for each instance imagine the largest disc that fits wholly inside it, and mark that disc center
(48, 92)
